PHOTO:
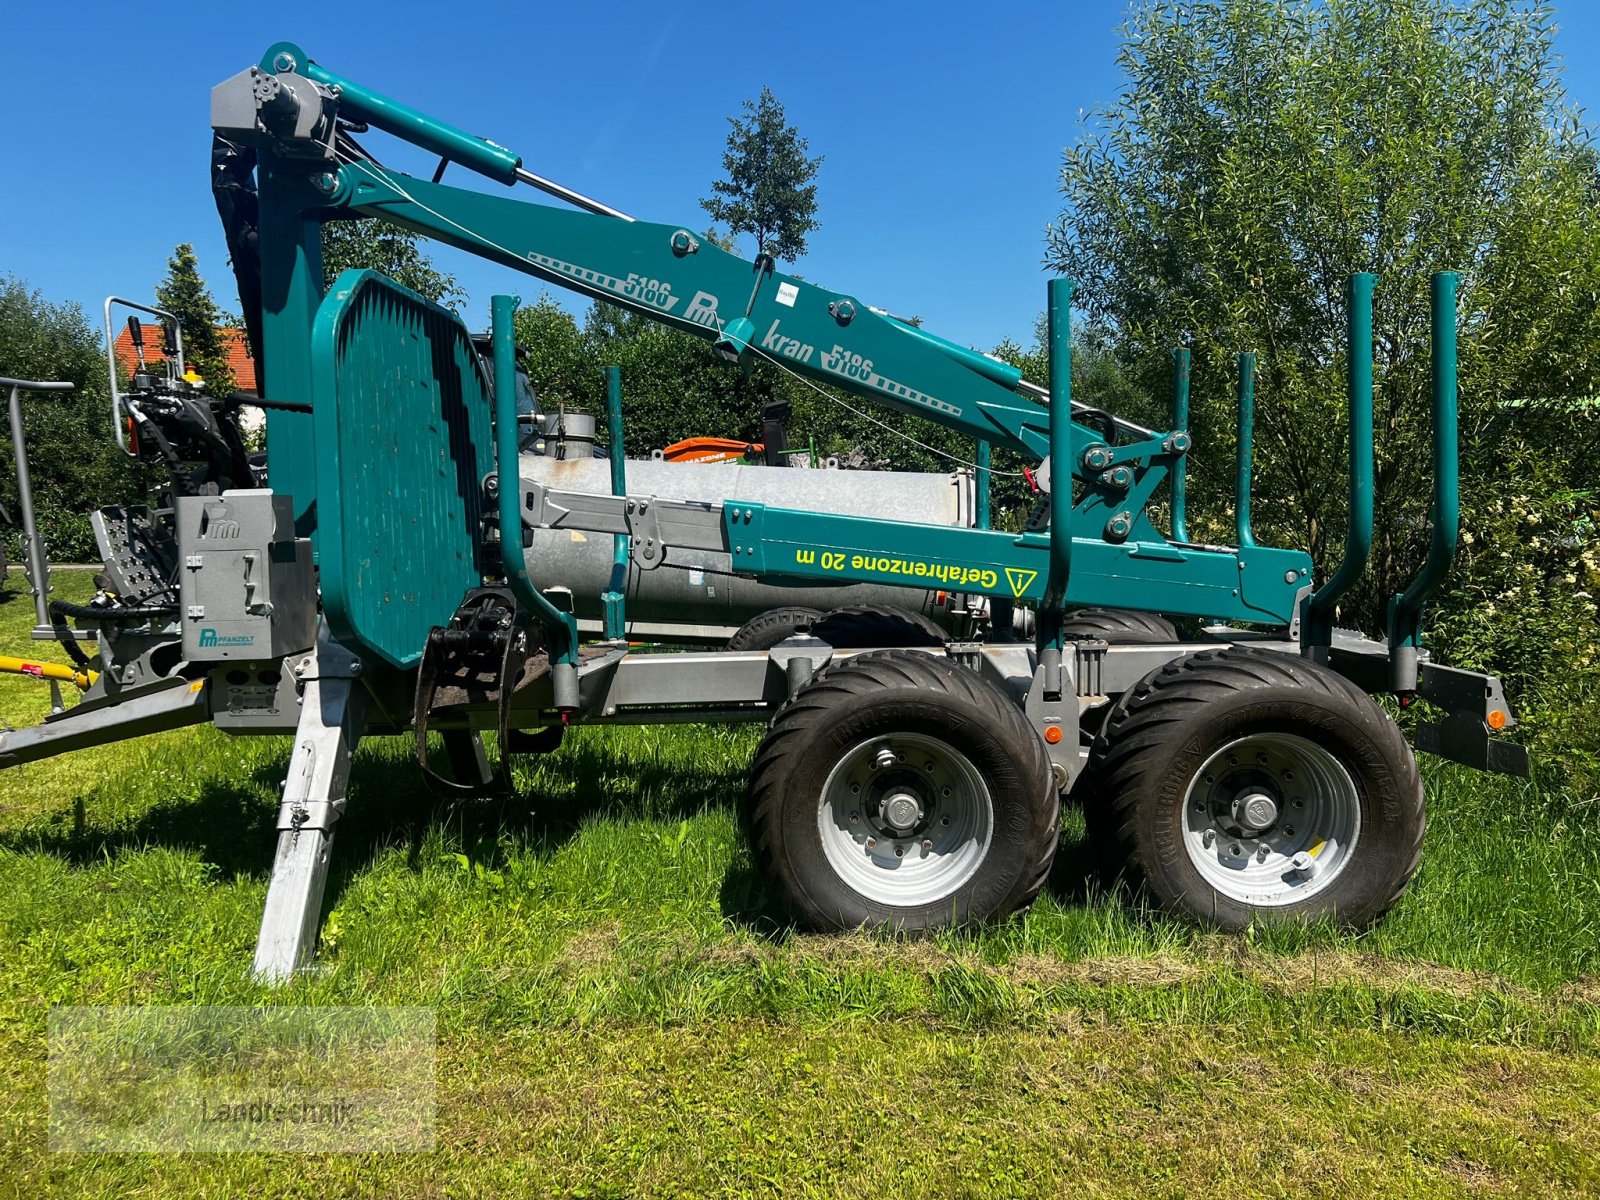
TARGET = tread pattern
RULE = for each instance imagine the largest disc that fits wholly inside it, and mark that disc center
(1145, 717)
(795, 724)
(1120, 626)
(866, 625)
(765, 630)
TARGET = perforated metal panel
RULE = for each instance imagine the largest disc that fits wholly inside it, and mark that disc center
(401, 413)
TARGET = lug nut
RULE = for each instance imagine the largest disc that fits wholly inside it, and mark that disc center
(855, 818)
(899, 851)
(872, 843)
(1208, 837)
(927, 846)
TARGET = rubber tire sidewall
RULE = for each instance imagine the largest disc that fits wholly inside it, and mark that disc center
(817, 890)
(1365, 743)
(767, 629)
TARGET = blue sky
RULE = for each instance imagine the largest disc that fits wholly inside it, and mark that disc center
(942, 125)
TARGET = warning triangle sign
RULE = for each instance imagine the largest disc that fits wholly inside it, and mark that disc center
(1020, 580)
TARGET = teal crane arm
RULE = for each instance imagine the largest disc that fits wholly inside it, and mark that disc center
(289, 108)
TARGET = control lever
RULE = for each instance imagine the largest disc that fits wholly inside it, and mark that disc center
(136, 336)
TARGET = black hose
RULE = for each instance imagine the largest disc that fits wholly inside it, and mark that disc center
(70, 645)
(111, 616)
(246, 398)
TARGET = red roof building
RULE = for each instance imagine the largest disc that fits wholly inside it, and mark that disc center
(233, 341)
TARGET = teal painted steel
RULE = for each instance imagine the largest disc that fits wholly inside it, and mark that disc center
(1405, 610)
(1246, 450)
(561, 628)
(1063, 458)
(1258, 585)
(1180, 424)
(360, 103)
(667, 273)
(615, 596)
(820, 335)
(1002, 373)
(1358, 531)
(291, 292)
(985, 486)
(401, 416)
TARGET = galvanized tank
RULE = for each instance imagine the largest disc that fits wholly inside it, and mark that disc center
(688, 600)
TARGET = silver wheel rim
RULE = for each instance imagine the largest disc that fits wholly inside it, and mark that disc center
(1271, 820)
(905, 819)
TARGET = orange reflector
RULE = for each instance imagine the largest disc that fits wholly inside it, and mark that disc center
(1497, 719)
(1052, 734)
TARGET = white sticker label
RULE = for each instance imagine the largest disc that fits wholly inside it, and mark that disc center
(697, 576)
(787, 293)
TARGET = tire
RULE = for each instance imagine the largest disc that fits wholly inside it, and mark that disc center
(1119, 626)
(1194, 745)
(868, 626)
(979, 844)
(765, 630)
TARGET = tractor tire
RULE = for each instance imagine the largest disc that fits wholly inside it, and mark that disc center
(1119, 626)
(1243, 785)
(897, 791)
(869, 626)
(765, 630)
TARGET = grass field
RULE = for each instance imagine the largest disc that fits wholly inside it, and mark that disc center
(621, 1010)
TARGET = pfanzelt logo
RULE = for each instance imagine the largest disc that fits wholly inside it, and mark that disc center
(210, 639)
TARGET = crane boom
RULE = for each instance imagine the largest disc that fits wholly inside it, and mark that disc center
(286, 163)
(293, 113)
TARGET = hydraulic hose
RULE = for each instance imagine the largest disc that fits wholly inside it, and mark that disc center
(112, 616)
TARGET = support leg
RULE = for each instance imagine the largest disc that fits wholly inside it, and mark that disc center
(332, 715)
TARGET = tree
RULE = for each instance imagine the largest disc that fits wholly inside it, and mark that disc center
(769, 191)
(376, 245)
(562, 369)
(74, 461)
(185, 295)
(1262, 150)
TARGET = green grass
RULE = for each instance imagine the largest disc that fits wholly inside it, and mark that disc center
(623, 1011)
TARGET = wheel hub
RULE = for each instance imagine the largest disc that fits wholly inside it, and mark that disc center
(902, 810)
(905, 819)
(1254, 810)
(1270, 819)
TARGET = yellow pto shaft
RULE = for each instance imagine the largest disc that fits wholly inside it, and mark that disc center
(21, 666)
